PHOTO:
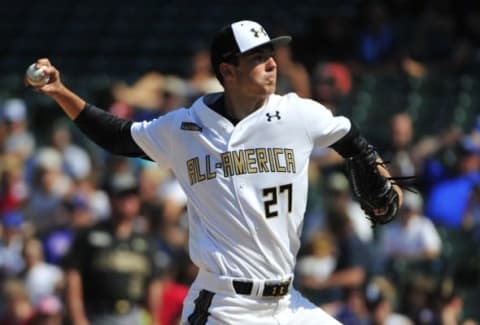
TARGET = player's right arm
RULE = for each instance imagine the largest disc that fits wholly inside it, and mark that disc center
(68, 101)
(108, 131)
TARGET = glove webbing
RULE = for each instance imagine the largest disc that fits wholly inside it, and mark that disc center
(369, 160)
(404, 182)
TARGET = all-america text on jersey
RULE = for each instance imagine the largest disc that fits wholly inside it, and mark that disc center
(243, 161)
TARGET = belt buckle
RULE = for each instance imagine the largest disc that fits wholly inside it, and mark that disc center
(279, 289)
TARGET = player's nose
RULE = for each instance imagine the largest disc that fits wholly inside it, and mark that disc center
(271, 64)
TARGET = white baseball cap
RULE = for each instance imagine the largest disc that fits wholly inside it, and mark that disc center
(241, 37)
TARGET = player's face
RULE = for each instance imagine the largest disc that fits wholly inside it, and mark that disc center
(256, 73)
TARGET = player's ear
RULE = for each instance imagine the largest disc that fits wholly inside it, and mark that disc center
(227, 71)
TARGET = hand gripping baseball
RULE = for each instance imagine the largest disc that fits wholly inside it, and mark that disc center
(43, 77)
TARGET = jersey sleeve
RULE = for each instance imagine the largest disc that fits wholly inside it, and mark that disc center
(154, 137)
(323, 128)
(108, 131)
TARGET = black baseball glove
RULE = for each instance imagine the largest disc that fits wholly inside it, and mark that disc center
(374, 191)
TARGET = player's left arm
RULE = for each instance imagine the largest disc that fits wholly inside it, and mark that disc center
(364, 165)
(324, 129)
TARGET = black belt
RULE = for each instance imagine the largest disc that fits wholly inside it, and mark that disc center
(120, 306)
(270, 289)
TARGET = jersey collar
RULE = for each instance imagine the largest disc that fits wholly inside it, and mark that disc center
(210, 118)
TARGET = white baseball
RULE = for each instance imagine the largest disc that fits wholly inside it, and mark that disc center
(36, 77)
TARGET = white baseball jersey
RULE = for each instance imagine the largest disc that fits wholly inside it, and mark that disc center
(246, 184)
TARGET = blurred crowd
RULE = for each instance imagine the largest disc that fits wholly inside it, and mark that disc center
(424, 268)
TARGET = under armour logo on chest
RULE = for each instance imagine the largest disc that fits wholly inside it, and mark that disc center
(256, 32)
(270, 116)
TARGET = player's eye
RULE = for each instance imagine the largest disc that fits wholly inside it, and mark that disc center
(261, 57)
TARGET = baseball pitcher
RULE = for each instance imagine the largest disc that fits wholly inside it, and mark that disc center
(242, 156)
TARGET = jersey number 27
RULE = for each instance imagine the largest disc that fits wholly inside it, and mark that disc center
(271, 194)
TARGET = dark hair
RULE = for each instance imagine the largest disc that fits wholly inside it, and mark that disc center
(234, 59)
(216, 66)
(225, 46)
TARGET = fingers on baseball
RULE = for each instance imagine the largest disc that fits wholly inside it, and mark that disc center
(43, 62)
(51, 71)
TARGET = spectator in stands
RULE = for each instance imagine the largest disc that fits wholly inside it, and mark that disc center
(76, 160)
(448, 200)
(149, 180)
(121, 172)
(50, 187)
(48, 312)
(292, 75)
(352, 310)
(353, 257)
(413, 237)
(11, 246)
(331, 84)
(408, 158)
(58, 240)
(319, 259)
(379, 298)
(173, 226)
(41, 279)
(341, 198)
(418, 159)
(111, 269)
(145, 95)
(419, 298)
(19, 141)
(176, 282)
(96, 198)
(18, 309)
(14, 190)
(316, 262)
(202, 79)
(450, 303)
(175, 94)
(401, 138)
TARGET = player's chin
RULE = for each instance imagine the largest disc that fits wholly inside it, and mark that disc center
(269, 87)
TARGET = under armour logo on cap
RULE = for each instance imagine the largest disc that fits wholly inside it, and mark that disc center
(270, 116)
(241, 37)
(256, 32)
(249, 34)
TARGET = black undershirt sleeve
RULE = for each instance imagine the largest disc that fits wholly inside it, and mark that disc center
(109, 132)
(351, 144)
